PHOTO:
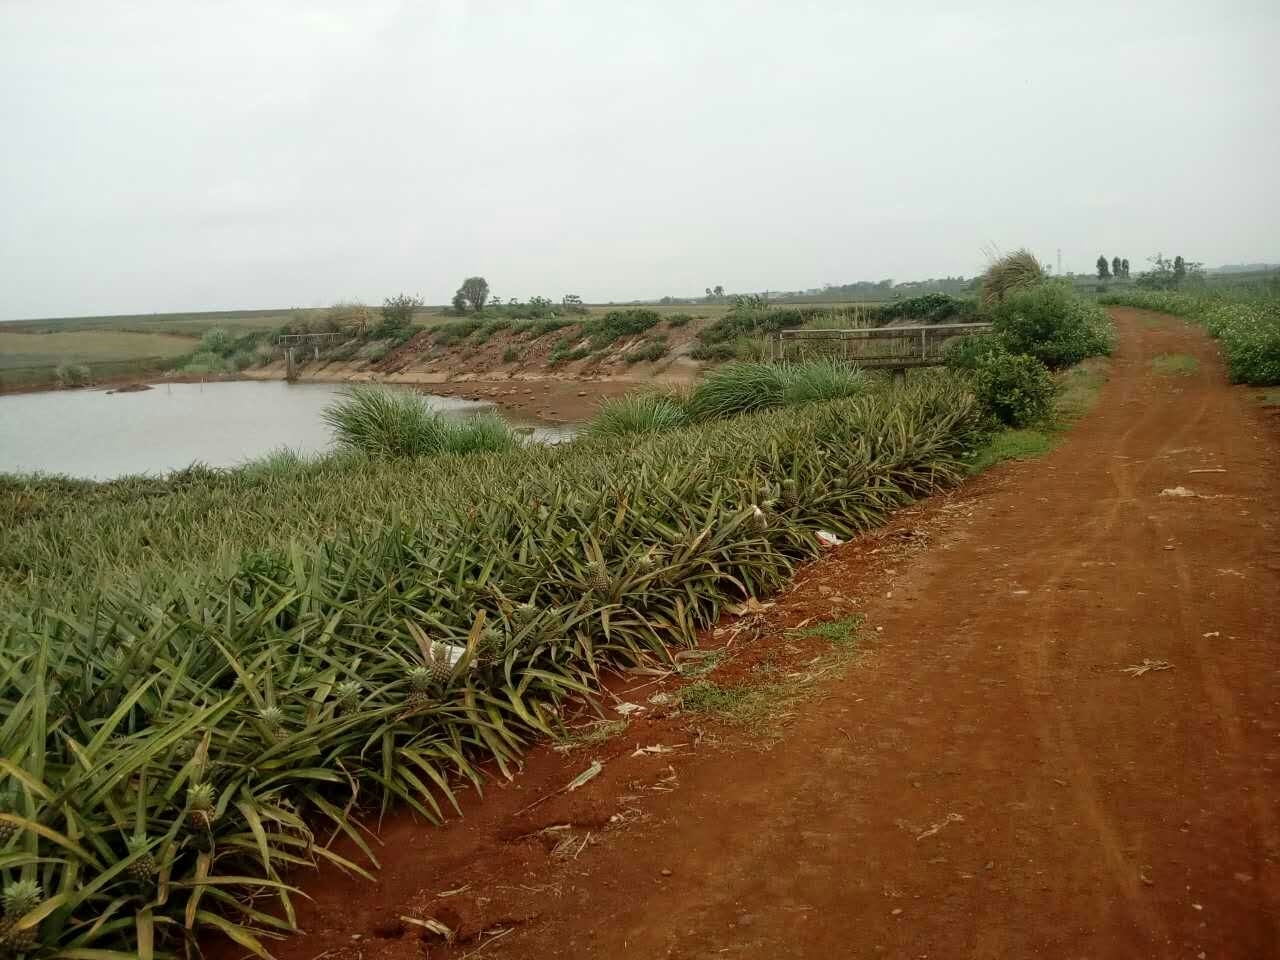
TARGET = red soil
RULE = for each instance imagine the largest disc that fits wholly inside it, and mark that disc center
(986, 781)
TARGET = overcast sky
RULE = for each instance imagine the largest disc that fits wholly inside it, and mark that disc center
(215, 155)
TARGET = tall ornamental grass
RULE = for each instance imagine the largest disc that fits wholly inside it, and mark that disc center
(389, 423)
(193, 710)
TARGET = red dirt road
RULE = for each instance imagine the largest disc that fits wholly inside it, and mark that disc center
(987, 781)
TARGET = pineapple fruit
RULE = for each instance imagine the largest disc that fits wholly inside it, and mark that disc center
(419, 685)
(273, 720)
(598, 577)
(200, 806)
(144, 868)
(20, 898)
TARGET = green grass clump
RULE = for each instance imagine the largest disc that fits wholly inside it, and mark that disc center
(1175, 365)
(486, 330)
(388, 423)
(1011, 273)
(1025, 443)
(637, 413)
(512, 354)
(482, 433)
(677, 320)
(841, 633)
(823, 379)
(649, 351)
(743, 387)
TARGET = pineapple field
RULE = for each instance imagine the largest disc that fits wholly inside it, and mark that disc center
(210, 678)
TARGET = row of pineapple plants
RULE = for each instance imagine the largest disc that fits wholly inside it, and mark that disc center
(176, 747)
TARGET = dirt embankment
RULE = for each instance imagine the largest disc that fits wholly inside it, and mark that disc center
(558, 375)
(1059, 739)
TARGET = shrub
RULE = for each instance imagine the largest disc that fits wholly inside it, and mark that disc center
(1012, 272)
(205, 362)
(637, 413)
(677, 320)
(649, 351)
(72, 374)
(931, 308)
(488, 329)
(397, 313)
(375, 351)
(540, 328)
(965, 353)
(216, 341)
(452, 331)
(1052, 324)
(713, 352)
(618, 323)
(1014, 388)
(511, 354)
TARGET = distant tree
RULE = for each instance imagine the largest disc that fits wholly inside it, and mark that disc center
(1104, 272)
(1124, 269)
(1179, 269)
(719, 290)
(708, 293)
(459, 302)
(1117, 270)
(475, 290)
(397, 311)
(495, 301)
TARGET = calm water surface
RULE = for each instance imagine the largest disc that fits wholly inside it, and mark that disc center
(90, 433)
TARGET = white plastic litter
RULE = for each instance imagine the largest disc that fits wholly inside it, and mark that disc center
(828, 539)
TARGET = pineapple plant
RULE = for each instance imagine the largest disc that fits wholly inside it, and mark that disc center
(20, 898)
(348, 694)
(787, 497)
(598, 577)
(8, 829)
(273, 719)
(419, 685)
(144, 869)
(200, 806)
(525, 614)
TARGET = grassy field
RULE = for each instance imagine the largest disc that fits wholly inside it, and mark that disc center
(30, 359)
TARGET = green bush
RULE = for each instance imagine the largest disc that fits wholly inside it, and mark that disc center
(206, 362)
(72, 374)
(1052, 324)
(637, 413)
(648, 351)
(618, 323)
(1015, 388)
(747, 386)
(713, 352)
(512, 354)
(931, 308)
(453, 331)
(216, 341)
(964, 353)
(676, 320)
(482, 433)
